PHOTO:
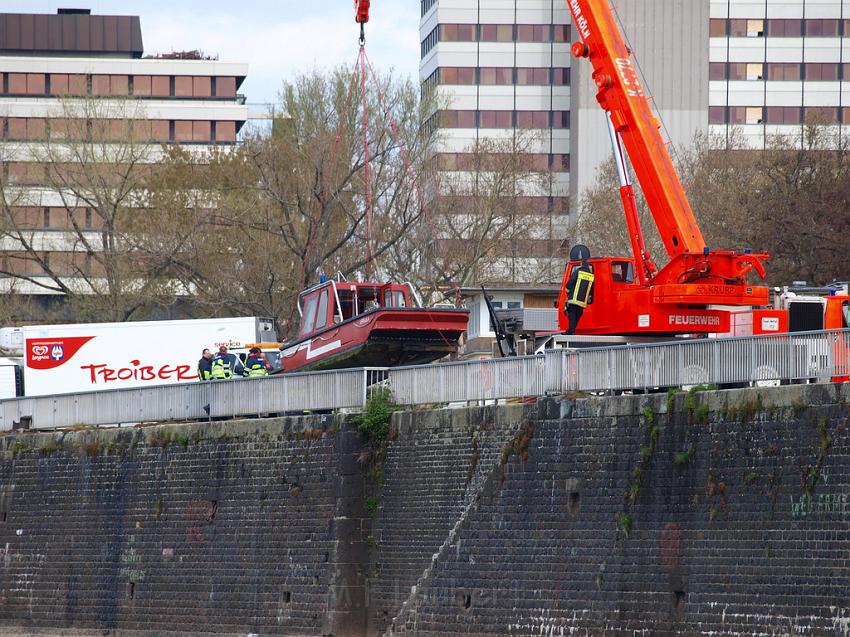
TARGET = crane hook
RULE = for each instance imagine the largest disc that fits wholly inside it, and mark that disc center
(361, 15)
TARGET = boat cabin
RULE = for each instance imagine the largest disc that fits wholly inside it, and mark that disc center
(335, 302)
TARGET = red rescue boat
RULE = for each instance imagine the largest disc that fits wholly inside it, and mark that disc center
(345, 324)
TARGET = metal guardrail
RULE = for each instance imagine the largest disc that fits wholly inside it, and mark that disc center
(806, 356)
(194, 401)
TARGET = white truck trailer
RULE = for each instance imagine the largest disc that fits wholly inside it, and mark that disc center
(61, 359)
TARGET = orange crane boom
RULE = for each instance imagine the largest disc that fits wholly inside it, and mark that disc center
(632, 296)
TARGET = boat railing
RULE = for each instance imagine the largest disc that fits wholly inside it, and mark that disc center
(332, 283)
(414, 294)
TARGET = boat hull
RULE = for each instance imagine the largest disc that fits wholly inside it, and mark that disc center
(383, 337)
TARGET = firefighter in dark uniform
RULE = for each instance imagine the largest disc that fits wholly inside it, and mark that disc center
(579, 294)
(257, 365)
(205, 365)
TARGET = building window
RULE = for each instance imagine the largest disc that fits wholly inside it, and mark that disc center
(161, 130)
(533, 33)
(755, 71)
(201, 131)
(46, 218)
(559, 162)
(783, 115)
(16, 83)
(225, 132)
(785, 28)
(560, 119)
(561, 77)
(754, 115)
(161, 86)
(119, 85)
(225, 86)
(821, 115)
(141, 85)
(821, 28)
(532, 119)
(100, 85)
(425, 6)
(755, 28)
(201, 86)
(716, 115)
(738, 28)
(457, 32)
(532, 77)
(463, 75)
(457, 119)
(182, 86)
(821, 72)
(496, 32)
(717, 70)
(746, 114)
(780, 71)
(737, 71)
(430, 83)
(496, 75)
(429, 42)
(717, 27)
(845, 115)
(561, 33)
(495, 119)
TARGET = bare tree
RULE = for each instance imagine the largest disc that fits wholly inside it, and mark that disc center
(790, 199)
(601, 223)
(90, 173)
(293, 202)
(481, 228)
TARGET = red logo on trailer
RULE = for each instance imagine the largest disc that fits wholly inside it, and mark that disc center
(47, 353)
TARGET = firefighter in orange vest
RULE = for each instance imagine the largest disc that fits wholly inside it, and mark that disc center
(579, 294)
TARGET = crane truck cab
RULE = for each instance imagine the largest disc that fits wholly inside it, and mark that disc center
(808, 312)
(811, 312)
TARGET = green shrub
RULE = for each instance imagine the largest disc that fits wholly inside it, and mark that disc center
(374, 422)
(624, 521)
(685, 457)
(371, 504)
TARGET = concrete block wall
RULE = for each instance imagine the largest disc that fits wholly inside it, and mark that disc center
(217, 527)
(555, 518)
(739, 525)
(435, 470)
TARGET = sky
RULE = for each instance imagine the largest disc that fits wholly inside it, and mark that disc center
(277, 38)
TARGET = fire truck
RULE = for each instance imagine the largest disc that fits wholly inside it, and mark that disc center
(700, 291)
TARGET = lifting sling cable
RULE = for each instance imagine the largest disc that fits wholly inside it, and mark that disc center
(370, 257)
(323, 193)
(364, 64)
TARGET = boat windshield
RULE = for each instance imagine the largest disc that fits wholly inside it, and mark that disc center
(394, 298)
(310, 305)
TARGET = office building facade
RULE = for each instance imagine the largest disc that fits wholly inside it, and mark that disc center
(755, 67)
(501, 73)
(74, 71)
(777, 65)
(761, 67)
